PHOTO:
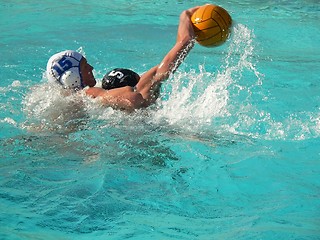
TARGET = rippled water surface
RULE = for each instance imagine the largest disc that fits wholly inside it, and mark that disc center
(229, 151)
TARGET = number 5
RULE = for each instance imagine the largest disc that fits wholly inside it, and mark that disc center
(117, 74)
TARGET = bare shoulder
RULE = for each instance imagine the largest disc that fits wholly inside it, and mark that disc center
(123, 98)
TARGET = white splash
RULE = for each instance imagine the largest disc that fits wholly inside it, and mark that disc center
(48, 107)
(198, 99)
(9, 121)
(225, 101)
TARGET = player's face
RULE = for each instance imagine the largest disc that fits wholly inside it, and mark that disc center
(86, 73)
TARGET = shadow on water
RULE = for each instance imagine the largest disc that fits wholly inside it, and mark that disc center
(194, 156)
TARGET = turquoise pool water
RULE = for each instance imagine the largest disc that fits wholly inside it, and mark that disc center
(230, 150)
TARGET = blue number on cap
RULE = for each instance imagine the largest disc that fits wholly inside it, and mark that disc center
(63, 65)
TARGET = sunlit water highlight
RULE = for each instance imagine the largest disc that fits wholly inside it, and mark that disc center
(229, 151)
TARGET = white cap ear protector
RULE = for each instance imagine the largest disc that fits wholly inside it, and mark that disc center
(64, 68)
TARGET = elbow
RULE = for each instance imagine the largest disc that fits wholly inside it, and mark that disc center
(135, 102)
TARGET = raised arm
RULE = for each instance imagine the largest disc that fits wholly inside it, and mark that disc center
(150, 81)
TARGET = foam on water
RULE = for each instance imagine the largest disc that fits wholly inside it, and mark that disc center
(226, 101)
(229, 151)
(49, 107)
(206, 96)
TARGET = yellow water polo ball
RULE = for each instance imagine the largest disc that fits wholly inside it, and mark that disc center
(211, 24)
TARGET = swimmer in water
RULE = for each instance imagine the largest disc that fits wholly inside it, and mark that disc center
(72, 71)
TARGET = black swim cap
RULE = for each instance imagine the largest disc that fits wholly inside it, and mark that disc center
(120, 77)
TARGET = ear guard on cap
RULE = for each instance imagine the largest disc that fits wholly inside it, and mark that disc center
(71, 79)
(64, 68)
(120, 77)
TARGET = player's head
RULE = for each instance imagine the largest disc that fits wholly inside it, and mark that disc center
(70, 69)
(120, 77)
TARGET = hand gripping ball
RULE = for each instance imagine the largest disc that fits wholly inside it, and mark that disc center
(211, 24)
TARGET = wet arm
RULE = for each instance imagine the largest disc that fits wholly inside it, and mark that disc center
(151, 80)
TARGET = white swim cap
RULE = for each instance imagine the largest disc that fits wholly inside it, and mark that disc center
(64, 68)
